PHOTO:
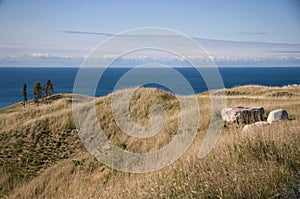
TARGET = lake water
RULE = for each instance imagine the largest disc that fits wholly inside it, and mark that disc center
(12, 79)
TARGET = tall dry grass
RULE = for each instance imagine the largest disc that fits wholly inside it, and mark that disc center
(263, 163)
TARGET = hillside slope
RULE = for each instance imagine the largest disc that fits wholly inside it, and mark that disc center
(41, 154)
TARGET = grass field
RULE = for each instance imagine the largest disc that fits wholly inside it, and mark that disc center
(42, 156)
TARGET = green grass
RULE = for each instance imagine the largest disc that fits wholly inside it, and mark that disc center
(293, 117)
(4, 111)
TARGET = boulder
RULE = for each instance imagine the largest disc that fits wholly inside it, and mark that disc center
(255, 126)
(277, 115)
(243, 114)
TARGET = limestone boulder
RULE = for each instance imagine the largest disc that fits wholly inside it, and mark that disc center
(255, 126)
(243, 114)
(277, 115)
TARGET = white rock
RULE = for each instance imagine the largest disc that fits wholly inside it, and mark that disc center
(255, 126)
(277, 115)
(243, 114)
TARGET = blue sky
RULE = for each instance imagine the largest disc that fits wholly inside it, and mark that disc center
(253, 32)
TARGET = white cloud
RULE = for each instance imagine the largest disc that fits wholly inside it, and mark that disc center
(223, 53)
(41, 59)
(46, 59)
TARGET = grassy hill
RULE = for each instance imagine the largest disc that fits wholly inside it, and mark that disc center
(41, 154)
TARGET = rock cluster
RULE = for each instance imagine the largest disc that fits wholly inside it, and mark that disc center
(254, 115)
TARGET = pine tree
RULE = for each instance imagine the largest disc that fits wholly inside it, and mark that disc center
(24, 94)
(37, 91)
(49, 88)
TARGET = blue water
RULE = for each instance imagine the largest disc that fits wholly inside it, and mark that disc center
(12, 79)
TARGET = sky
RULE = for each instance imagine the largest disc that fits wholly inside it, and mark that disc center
(233, 33)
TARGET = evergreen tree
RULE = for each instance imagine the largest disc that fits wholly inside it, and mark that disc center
(43, 91)
(49, 88)
(24, 94)
(37, 91)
